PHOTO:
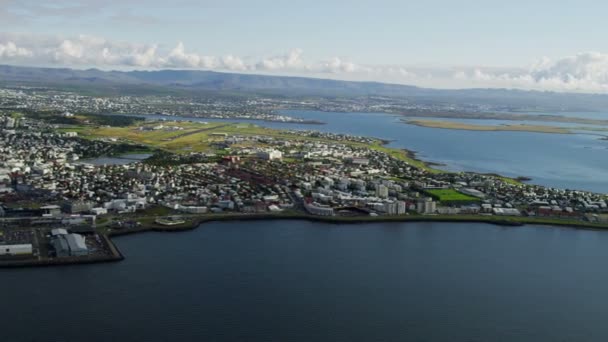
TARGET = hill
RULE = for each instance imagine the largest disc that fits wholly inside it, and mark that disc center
(195, 81)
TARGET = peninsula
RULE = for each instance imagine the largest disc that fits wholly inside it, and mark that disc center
(60, 206)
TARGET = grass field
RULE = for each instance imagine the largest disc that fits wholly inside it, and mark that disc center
(196, 137)
(450, 195)
(191, 137)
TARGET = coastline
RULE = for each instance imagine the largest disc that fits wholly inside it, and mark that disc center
(115, 255)
(196, 222)
(511, 221)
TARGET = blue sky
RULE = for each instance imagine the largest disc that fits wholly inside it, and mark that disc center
(524, 44)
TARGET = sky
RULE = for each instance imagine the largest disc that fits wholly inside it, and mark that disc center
(540, 44)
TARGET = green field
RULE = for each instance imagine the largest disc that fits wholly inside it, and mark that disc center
(197, 137)
(450, 195)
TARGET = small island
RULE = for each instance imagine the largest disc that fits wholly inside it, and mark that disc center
(503, 127)
(473, 127)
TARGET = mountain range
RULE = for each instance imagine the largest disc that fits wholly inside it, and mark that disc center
(205, 82)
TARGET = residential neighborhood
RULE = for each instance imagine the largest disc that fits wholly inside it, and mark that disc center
(51, 178)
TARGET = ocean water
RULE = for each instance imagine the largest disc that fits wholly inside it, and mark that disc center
(302, 281)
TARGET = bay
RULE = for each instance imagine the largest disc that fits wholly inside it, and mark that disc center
(303, 281)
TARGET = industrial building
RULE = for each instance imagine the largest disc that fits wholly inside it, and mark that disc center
(50, 211)
(25, 249)
(68, 244)
(58, 231)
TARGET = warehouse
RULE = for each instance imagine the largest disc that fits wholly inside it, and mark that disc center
(61, 246)
(25, 249)
(69, 245)
(77, 244)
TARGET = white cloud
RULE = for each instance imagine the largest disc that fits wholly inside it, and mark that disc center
(11, 50)
(233, 63)
(179, 58)
(584, 72)
(290, 61)
(338, 65)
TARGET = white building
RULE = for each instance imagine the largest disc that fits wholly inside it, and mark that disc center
(426, 206)
(381, 191)
(99, 211)
(24, 249)
(395, 208)
(506, 211)
(401, 208)
(270, 155)
(193, 209)
(318, 209)
(390, 208)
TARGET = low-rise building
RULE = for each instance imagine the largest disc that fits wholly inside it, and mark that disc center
(319, 209)
(13, 250)
(270, 155)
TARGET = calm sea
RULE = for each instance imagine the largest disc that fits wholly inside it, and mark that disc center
(299, 281)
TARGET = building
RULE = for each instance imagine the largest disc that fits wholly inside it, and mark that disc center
(13, 250)
(58, 231)
(358, 161)
(392, 208)
(270, 155)
(506, 212)
(10, 122)
(68, 244)
(193, 209)
(377, 206)
(318, 209)
(426, 206)
(401, 208)
(61, 247)
(99, 211)
(226, 204)
(77, 207)
(381, 191)
(77, 244)
(51, 210)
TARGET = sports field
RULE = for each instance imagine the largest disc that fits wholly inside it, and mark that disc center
(450, 195)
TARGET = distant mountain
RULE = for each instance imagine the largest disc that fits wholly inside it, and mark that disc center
(203, 80)
(191, 81)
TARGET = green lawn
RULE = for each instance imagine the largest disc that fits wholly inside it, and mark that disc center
(450, 195)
